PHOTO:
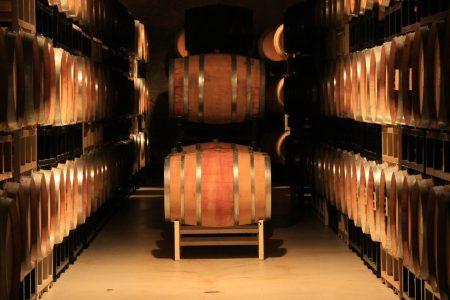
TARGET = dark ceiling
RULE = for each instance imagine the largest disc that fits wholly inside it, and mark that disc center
(168, 15)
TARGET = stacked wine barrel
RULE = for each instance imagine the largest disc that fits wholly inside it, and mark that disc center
(217, 185)
(140, 143)
(107, 20)
(404, 81)
(41, 210)
(406, 213)
(336, 12)
(48, 86)
(141, 42)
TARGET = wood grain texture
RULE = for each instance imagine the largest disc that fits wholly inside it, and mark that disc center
(217, 177)
(10, 248)
(218, 89)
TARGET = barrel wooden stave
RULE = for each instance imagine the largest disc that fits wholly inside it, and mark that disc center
(217, 91)
(195, 176)
(10, 249)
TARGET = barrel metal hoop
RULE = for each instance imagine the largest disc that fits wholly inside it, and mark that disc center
(268, 175)
(171, 87)
(262, 89)
(252, 185)
(236, 184)
(201, 87)
(186, 87)
(234, 82)
(249, 88)
(198, 179)
(182, 161)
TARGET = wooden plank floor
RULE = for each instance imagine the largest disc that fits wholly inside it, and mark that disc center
(131, 258)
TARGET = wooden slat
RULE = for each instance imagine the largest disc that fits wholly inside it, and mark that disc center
(218, 241)
(227, 230)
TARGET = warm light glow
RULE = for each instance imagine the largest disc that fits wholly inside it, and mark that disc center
(80, 77)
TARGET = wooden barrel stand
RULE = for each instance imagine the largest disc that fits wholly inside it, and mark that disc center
(195, 236)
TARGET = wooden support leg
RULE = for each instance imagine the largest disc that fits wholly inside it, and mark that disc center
(176, 232)
(261, 239)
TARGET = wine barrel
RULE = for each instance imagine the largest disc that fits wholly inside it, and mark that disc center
(339, 87)
(10, 246)
(181, 44)
(271, 44)
(15, 96)
(386, 193)
(216, 88)
(438, 73)
(53, 197)
(68, 189)
(47, 61)
(441, 241)
(420, 103)
(42, 214)
(365, 85)
(3, 81)
(81, 191)
(200, 191)
(340, 181)
(383, 105)
(275, 94)
(355, 190)
(395, 213)
(366, 192)
(374, 56)
(407, 190)
(366, 5)
(32, 83)
(28, 193)
(418, 227)
(394, 100)
(406, 86)
(348, 101)
(356, 85)
(373, 209)
(72, 172)
(61, 85)
(15, 191)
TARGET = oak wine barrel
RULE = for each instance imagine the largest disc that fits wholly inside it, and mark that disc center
(53, 207)
(32, 79)
(4, 87)
(47, 73)
(417, 210)
(356, 182)
(366, 192)
(438, 72)
(384, 206)
(420, 102)
(15, 192)
(406, 86)
(395, 104)
(217, 88)
(10, 247)
(81, 191)
(217, 186)
(181, 44)
(395, 213)
(42, 214)
(28, 188)
(356, 85)
(16, 85)
(407, 190)
(442, 241)
(373, 209)
(271, 45)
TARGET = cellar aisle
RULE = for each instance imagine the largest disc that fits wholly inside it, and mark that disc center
(131, 259)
